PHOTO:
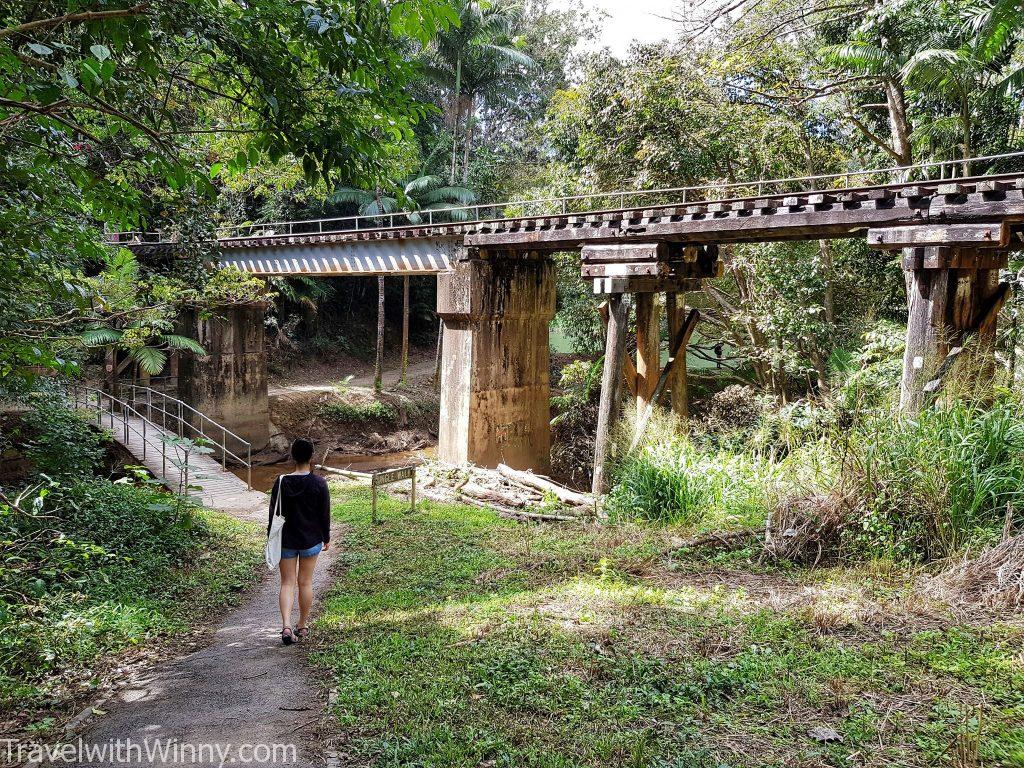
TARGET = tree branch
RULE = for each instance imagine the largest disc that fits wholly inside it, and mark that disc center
(75, 18)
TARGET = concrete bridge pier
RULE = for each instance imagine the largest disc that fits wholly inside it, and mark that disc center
(495, 377)
(229, 383)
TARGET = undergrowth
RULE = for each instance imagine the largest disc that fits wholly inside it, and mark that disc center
(92, 567)
(455, 638)
(370, 412)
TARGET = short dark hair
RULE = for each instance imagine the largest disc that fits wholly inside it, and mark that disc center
(302, 450)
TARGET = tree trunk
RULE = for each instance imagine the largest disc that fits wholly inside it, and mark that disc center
(456, 109)
(469, 139)
(898, 125)
(378, 368)
(611, 378)
(405, 330)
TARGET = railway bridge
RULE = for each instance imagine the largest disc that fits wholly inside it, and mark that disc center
(496, 283)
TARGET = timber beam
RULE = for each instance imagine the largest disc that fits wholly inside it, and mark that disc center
(985, 235)
(953, 294)
(645, 268)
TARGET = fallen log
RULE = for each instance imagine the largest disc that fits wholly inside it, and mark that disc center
(722, 540)
(544, 485)
(483, 493)
(519, 514)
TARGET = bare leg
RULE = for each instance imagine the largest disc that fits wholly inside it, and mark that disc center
(306, 566)
(287, 595)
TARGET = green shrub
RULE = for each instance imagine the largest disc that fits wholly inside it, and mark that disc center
(360, 413)
(926, 487)
(669, 479)
(61, 442)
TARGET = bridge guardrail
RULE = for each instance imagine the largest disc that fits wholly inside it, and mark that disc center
(94, 399)
(567, 204)
(168, 407)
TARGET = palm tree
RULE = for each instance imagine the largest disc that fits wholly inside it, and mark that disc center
(146, 344)
(473, 60)
(873, 59)
(415, 195)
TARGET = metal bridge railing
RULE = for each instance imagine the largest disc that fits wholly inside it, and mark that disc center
(186, 421)
(120, 416)
(585, 203)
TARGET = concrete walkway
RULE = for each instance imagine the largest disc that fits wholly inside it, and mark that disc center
(389, 378)
(245, 688)
(220, 489)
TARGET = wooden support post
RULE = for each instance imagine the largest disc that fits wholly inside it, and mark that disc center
(405, 331)
(378, 367)
(628, 367)
(611, 377)
(648, 348)
(949, 299)
(675, 306)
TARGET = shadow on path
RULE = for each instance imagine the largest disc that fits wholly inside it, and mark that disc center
(245, 688)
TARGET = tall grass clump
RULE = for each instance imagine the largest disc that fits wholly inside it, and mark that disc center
(669, 479)
(925, 486)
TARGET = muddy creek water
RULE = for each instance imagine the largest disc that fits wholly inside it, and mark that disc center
(263, 477)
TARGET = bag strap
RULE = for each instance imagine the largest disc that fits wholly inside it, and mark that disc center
(280, 492)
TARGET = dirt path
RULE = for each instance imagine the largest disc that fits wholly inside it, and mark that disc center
(245, 688)
(416, 370)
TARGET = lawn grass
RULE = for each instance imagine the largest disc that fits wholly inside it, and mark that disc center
(456, 638)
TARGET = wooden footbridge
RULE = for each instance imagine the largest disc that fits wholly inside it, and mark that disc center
(496, 291)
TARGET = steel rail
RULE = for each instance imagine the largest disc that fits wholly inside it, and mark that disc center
(135, 237)
(80, 397)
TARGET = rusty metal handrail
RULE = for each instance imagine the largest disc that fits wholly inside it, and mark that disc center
(563, 204)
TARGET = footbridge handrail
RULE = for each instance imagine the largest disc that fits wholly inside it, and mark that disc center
(465, 214)
(92, 398)
(174, 409)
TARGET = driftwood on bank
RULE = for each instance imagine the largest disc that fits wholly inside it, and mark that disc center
(510, 492)
(544, 485)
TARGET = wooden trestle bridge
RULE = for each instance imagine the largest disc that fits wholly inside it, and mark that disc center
(496, 290)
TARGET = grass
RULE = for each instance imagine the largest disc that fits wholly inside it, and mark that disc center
(81, 633)
(456, 638)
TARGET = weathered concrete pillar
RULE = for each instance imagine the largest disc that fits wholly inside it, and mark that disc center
(495, 378)
(228, 384)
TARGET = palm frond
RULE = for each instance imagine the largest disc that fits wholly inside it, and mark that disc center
(995, 24)
(510, 55)
(93, 337)
(421, 184)
(174, 341)
(449, 195)
(150, 360)
(350, 195)
(864, 58)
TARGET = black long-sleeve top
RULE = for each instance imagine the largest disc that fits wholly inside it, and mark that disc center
(306, 507)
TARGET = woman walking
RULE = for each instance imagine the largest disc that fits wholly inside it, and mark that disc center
(306, 508)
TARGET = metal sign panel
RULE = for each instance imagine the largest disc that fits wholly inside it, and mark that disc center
(388, 476)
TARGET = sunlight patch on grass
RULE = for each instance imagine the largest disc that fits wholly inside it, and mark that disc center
(456, 638)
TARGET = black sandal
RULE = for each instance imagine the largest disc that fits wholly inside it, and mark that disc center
(287, 636)
(302, 633)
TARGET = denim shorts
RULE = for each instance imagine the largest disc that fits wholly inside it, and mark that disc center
(288, 554)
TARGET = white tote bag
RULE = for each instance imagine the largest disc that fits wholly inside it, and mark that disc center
(272, 552)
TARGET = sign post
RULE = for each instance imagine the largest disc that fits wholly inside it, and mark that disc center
(387, 477)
